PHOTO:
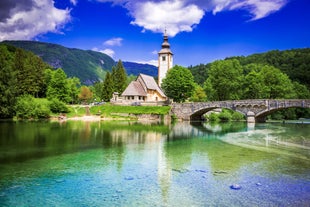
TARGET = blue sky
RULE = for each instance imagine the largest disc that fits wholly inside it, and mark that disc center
(200, 31)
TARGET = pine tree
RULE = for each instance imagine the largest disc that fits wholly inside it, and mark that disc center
(119, 77)
(8, 83)
(107, 90)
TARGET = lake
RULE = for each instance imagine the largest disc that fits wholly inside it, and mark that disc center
(122, 163)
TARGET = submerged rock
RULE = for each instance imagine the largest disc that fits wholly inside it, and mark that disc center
(235, 187)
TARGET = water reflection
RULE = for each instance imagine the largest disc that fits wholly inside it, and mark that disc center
(168, 165)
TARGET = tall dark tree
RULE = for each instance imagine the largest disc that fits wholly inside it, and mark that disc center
(119, 77)
(30, 72)
(107, 90)
(8, 83)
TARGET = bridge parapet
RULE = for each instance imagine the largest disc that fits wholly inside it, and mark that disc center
(255, 109)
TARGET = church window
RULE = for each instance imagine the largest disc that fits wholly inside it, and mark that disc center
(164, 58)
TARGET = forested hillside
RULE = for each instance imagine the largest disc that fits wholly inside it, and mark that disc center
(89, 66)
(295, 63)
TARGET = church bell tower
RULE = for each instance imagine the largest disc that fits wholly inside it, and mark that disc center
(165, 59)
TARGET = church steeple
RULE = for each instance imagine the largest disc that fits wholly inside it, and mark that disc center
(165, 59)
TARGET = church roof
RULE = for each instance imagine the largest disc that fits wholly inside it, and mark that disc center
(140, 86)
(134, 89)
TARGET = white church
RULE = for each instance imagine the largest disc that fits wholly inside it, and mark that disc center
(144, 90)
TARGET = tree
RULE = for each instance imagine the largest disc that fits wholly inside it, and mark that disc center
(30, 73)
(179, 83)
(225, 79)
(58, 87)
(107, 90)
(119, 77)
(8, 83)
(278, 84)
(85, 94)
(199, 94)
(73, 85)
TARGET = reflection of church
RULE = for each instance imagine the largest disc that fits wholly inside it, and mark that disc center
(144, 90)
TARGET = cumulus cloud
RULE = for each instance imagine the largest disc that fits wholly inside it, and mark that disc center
(25, 19)
(174, 15)
(114, 42)
(182, 15)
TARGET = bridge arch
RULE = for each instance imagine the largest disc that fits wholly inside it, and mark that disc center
(255, 110)
(197, 115)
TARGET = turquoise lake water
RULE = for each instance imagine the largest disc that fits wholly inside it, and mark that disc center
(151, 164)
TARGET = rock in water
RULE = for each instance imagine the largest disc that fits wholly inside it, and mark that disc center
(235, 187)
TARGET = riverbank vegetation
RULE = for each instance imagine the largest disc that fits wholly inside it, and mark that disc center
(30, 88)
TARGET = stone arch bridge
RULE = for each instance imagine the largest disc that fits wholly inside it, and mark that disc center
(255, 110)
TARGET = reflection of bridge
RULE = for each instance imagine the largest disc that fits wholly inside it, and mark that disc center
(254, 110)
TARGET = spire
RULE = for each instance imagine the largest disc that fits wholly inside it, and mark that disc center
(165, 45)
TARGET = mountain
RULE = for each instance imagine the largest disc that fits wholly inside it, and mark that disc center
(137, 68)
(89, 66)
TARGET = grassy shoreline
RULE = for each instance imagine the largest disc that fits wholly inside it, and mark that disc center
(116, 111)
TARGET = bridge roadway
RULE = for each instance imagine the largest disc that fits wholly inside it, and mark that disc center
(255, 110)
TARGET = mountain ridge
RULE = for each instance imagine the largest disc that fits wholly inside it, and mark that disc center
(89, 66)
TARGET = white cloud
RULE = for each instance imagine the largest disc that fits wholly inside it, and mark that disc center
(259, 8)
(74, 2)
(29, 18)
(182, 15)
(107, 51)
(173, 15)
(114, 42)
(150, 62)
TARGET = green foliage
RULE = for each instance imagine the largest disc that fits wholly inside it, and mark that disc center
(213, 117)
(200, 73)
(107, 90)
(28, 107)
(295, 63)
(73, 86)
(225, 116)
(199, 95)
(179, 84)
(8, 83)
(119, 77)
(236, 116)
(225, 76)
(58, 87)
(57, 106)
(29, 72)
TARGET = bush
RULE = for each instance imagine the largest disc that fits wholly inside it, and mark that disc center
(236, 116)
(27, 107)
(213, 117)
(58, 106)
(225, 116)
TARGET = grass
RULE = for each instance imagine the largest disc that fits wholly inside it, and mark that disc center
(108, 110)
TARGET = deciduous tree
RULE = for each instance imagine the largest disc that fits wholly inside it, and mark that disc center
(179, 83)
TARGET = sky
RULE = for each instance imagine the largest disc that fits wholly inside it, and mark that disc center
(200, 31)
